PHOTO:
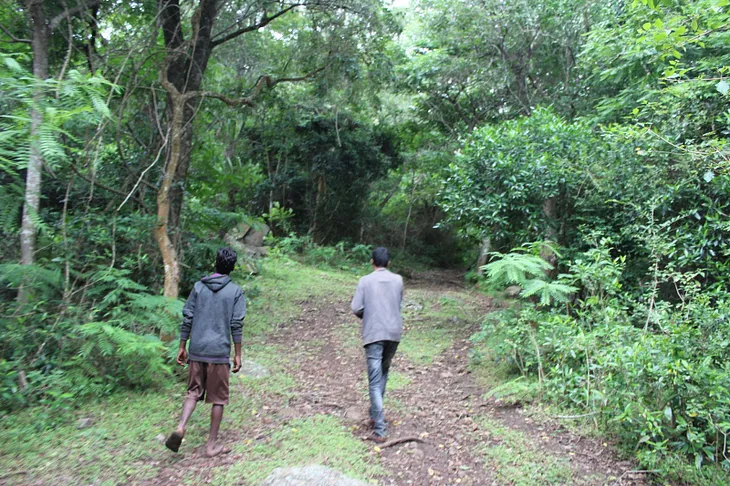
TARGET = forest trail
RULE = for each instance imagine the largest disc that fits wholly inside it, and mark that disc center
(316, 395)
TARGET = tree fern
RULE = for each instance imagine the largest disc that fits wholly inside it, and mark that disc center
(548, 292)
(12, 275)
(11, 203)
(133, 359)
(514, 269)
(528, 270)
(81, 100)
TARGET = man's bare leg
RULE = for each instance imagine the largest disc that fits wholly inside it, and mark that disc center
(175, 439)
(212, 448)
(188, 409)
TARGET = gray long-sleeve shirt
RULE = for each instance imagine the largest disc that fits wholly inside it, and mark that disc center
(212, 315)
(378, 297)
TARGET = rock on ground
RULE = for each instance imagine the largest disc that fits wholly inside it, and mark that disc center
(314, 475)
(253, 370)
(513, 291)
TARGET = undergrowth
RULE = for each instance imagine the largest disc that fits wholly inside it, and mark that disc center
(659, 382)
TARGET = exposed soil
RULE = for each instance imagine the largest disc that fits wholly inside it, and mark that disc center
(440, 406)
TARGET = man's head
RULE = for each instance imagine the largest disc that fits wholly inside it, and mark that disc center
(381, 257)
(225, 260)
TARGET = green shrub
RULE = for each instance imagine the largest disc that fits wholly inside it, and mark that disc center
(663, 391)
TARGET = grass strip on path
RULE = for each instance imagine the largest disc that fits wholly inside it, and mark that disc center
(320, 439)
(514, 460)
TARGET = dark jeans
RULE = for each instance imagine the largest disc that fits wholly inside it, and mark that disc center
(379, 356)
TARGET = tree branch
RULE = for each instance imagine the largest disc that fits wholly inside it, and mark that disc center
(56, 21)
(250, 28)
(263, 82)
(12, 37)
(107, 188)
(225, 99)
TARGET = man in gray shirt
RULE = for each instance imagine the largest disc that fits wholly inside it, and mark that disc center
(377, 302)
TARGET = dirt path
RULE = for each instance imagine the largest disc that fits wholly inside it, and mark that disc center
(432, 395)
(442, 404)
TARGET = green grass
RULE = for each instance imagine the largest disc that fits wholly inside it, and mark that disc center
(316, 440)
(349, 334)
(284, 283)
(397, 381)
(430, 320)
(421, 345)
(514, 460)
(120, 447)
(424, 333)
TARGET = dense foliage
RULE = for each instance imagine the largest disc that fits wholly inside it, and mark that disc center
(135, 135)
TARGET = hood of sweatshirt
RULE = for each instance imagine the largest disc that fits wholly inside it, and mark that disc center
(216, 282)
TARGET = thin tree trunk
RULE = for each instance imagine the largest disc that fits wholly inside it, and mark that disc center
(29, 231)
(483, 254)
(410, 209)
(319, 205)
(549, 209)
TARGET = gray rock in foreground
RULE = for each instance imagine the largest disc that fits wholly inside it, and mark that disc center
(253, 370)
(314, 475)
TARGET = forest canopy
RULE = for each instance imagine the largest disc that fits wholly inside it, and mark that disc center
(590, 136)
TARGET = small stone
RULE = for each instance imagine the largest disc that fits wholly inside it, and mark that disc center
(253, 369)
(84, 423)
(512, 292)
(309, 475)
(160, 437)
(355, 414)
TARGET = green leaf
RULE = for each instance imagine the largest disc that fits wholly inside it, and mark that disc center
(723, 87)
(13, 65)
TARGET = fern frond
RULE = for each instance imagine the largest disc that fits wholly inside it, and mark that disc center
(548, 292)
(515, 268)
(14, 275)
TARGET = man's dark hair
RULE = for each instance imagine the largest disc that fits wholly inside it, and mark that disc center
(225, 260)
(381, 257)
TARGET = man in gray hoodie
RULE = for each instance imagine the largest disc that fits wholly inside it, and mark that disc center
(377, 302)
(212, 317)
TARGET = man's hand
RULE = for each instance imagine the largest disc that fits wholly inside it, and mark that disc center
(182, 355)
(236, 363)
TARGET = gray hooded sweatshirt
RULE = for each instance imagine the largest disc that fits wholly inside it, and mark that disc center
(212, 315)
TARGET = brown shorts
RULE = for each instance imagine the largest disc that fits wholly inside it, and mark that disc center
(209, 381)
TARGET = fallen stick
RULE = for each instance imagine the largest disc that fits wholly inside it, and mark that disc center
(571, 417)
(402, 440)
(13, 473)
(620, 480)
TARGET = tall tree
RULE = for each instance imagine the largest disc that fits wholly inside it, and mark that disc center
(488, 60)
(182, 76)
(43, 19)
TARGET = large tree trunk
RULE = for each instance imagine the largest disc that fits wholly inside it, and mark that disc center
(182, 76)
(184, 67)
(549, 209)
(41, 36)
(167, 248)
